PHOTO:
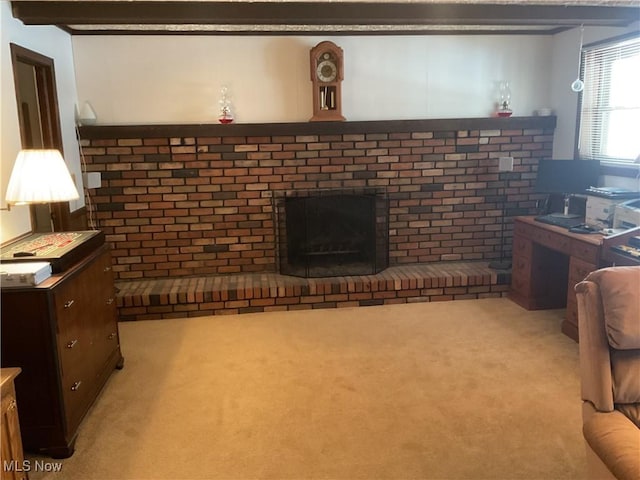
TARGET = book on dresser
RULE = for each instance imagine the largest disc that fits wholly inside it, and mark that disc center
(63, 334)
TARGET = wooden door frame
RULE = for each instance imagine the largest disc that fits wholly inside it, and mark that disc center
(49, 115)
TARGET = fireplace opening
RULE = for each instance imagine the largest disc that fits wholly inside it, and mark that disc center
(325, 233)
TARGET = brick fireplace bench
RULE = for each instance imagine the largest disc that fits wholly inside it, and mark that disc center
(263, 292)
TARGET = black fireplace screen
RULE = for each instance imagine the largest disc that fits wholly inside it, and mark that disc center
(326, 233)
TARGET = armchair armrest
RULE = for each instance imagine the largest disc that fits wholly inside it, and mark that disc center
(616, 440)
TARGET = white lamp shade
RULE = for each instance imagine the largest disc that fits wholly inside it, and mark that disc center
(40, 176)
(87, 115)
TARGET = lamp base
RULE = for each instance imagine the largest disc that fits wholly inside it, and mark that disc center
(500, 265)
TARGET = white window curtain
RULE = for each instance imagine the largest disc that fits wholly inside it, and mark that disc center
(610, 106)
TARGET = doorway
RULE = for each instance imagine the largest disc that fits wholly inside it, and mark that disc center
(37, 102)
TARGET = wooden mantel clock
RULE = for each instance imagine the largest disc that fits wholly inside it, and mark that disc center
(326, 76)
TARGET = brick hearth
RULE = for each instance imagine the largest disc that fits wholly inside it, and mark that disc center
(265, 292)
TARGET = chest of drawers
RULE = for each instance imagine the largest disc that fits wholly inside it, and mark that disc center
(63, 333)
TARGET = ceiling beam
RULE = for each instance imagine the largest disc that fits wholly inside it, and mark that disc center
(315, 13)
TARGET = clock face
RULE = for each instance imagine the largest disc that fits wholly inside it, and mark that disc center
(326, 71)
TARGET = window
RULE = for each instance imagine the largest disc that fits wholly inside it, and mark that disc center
(610, 105)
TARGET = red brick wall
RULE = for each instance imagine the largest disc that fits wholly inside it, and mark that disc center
(181, 200)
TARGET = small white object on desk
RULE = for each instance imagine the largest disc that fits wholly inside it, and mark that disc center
(25, 274)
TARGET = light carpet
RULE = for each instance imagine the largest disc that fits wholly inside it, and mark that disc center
(468, 389)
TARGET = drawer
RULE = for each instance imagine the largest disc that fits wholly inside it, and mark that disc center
(72, 338)
(571, 314)
(107, 340)
(521, 246)
(585, 251)
(69, 299)
(77, 394)
(521, 274)
(110, 343)
(522, 229)
(578, 270)
(73, 353)
(99, 279)
(552, 240)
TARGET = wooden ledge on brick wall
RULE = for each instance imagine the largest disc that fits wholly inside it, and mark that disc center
(263, 292)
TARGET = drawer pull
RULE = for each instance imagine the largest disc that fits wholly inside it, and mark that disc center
(112, 335)
(110, 301)
(72, 343)
(107, 269)
(68, 303)
(76, 386)
(12, 405)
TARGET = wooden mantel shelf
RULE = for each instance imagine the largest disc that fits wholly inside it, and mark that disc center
(95, 132)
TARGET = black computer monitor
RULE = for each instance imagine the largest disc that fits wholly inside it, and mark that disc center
(567, 176)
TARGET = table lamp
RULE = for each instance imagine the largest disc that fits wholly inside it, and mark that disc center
(40, 176)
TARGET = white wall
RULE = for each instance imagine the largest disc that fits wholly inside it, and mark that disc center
(54, 43)
(177, 79)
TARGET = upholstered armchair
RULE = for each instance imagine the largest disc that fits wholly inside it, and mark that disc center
(609, 330)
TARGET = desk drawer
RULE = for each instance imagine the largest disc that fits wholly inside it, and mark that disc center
(521, 246)
(585, 251)
(571, 314)
(522, 229)
(552, 240)
(578, 270)
(521, 275)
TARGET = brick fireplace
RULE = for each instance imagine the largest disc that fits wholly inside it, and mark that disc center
(194, 200)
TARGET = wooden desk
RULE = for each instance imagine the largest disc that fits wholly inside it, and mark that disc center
(548, 262)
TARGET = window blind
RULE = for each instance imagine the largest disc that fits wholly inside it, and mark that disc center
(610, 109)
